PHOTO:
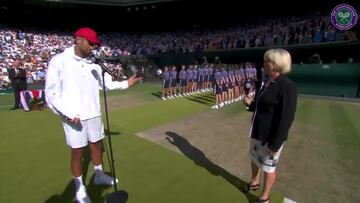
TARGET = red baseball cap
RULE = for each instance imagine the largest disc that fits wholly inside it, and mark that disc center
(88, 34)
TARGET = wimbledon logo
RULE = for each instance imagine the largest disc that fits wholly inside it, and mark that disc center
(343, 17)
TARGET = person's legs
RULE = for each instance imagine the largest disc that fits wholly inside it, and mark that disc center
(255, 174)
(77, 140)
(96, 135)
(254, 154)
(216, 106)
(242, 92)
(225, 96)
(17, 98)
(269, 179)
(96, 152)
(218, 100)
(236, 88)
(167, 92)
(76, 170)
(163, 92)
(76, 161)
(96, 157)
(269, 167)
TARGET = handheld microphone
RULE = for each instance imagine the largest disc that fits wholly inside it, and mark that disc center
(98, 61)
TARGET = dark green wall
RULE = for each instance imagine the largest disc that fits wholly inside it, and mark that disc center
(326, 79)
(340, 51)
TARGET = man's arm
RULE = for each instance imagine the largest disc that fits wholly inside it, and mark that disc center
(111, 85)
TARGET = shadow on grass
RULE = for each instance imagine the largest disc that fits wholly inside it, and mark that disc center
(95, 192)
(202, 99)
(66, 196)
(157, 94)
(107, 132)
(201, 160)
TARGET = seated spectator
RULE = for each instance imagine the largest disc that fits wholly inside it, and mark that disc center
(318, 37)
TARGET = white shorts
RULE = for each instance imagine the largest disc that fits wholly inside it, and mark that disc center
(260, 155)
(78, 136)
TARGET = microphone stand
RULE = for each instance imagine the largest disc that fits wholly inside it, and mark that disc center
(116, 196)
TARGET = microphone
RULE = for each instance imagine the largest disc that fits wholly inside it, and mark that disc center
(98, 61)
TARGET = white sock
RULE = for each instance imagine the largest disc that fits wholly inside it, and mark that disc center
(78, 182)
(98, 169)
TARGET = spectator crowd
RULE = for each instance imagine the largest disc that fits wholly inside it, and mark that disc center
(36, 47)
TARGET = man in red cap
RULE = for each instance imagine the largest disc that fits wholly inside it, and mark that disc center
(72, 92)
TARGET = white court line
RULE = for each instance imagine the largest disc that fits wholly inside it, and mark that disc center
(5, 106)
(286, 200)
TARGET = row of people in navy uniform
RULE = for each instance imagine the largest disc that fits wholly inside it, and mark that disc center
(233, 85)
(231, 82)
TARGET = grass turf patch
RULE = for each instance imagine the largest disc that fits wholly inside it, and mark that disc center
(36, 159)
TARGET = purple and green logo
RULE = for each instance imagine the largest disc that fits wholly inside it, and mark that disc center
(344, 17)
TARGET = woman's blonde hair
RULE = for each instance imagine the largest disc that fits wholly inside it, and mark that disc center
(281, 58)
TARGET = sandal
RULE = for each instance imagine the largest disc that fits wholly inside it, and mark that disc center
(263, 200)
(247, 187)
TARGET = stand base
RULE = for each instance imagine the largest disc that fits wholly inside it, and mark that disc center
(117, 197)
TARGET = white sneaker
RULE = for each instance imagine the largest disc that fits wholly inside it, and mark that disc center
(81, 195)
(163, 98)
(215, 107)
(104, 179)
